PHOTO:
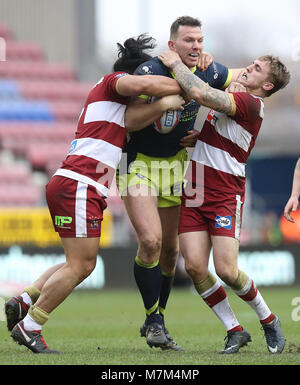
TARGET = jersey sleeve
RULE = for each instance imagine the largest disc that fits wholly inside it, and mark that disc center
(113, 79)
(218, 76)
(111, 86)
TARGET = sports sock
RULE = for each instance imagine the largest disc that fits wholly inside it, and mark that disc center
(30, 295)
(148, 279)
(27, 301)
(215, 297)
(166, 286)
(35, 318)
(246, 289)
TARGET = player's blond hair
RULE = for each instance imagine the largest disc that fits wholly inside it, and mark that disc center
(279, 75)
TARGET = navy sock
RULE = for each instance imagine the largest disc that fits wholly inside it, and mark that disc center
(166, 286)
(148, 279)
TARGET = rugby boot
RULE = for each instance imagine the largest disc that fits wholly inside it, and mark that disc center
(33, 340)
(153, 330)
(274, 336)
(169, 345)
(15, 310)
(235, 341)
(155, 335)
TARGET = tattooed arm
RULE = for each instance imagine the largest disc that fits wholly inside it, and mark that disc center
(293, 202)
(196, 88)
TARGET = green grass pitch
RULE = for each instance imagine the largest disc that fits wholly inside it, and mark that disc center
(102, 328)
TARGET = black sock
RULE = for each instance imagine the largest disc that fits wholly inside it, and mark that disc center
(148, 279)
(166, 286)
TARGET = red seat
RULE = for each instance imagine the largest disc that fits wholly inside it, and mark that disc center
(37, 132)
(54, 90)
(23, 51)
(35, 70)
(20, 195)
(40, 155)
(16, 174)
(66, 111)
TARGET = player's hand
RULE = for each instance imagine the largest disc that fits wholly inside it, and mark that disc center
(191, 139)
(172, 102)
(186, 97)
(205, 60)
(168, 58)
(235, 87)
(292, 205)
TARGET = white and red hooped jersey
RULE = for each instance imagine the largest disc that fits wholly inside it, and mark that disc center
(224, 145)
(100, 137)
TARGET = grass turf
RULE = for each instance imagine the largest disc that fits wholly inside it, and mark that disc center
(102, 328)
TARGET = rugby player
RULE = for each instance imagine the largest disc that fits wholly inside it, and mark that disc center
(293, 202)
(212, 203)
(77, 191)
(158, 198)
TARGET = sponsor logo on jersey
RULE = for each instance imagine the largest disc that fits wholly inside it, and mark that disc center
(61, 221)
(147, 69)
(212, 118)
(73, 146)
(216, 73)
(121, 75)
(223, 222)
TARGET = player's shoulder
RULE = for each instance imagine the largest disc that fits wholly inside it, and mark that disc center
(106, 87)
(152, 67)
(249, 105)
(215, 74)
(249, 99)
(216, 69)
(109, 79)
(115, 76)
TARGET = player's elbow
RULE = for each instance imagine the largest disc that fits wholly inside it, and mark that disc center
(130, 124)
(198, 95)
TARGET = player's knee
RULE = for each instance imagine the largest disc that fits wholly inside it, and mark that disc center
(89, 267)
(227, 274)
(150, 245)
(85, 268)
(195, 271)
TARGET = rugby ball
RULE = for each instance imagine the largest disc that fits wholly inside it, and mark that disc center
(167, 122)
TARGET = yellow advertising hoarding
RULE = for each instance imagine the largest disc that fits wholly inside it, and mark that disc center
(33, 226)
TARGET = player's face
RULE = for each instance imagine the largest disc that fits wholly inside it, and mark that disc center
(188, 43)
(255, 76)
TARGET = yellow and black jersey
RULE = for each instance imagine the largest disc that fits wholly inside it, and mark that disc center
(150, 142)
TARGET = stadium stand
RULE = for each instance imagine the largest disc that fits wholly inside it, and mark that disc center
(40, 103)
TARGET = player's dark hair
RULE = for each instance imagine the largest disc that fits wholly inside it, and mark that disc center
(279, 74)
(132, 53)
(182, 21)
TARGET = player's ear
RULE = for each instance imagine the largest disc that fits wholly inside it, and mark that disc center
(171, 45)
(268, 86)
